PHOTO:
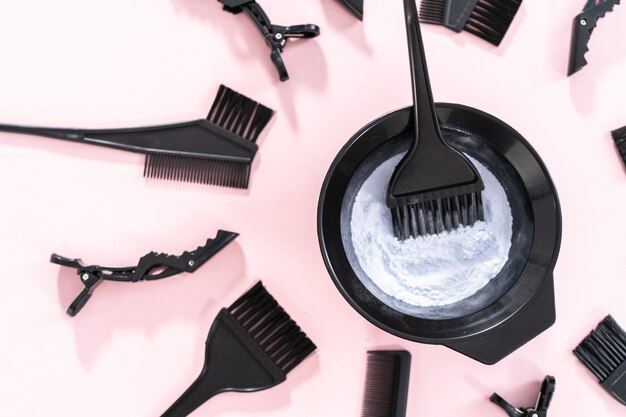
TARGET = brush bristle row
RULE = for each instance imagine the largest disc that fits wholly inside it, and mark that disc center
(619, 136)
(380, 384)
(197, 170)
(432, 11)
(239, 114)
(437, 216)
(604, 350)
(491, 19)
(272, 328)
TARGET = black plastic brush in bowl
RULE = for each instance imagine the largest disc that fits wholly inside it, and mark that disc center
(517, 303)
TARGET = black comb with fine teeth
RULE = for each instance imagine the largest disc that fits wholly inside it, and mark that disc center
(217, 150)
(252, 345)
(386, 383)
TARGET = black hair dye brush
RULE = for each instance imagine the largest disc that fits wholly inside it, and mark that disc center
(217, 150)
(487, 19)
(434, 187)
(603, 352)
(252, 346)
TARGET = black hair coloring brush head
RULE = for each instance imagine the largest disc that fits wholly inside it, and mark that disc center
(217, 150)
(603, 352)
(434, 188)
(619, 136)
(252, 345)
(487, 19)
(386, 383)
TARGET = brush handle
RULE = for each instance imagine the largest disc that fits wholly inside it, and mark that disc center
(197, 394)
(197, 138)
(423, 104)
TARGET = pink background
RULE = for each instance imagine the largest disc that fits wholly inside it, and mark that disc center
(135, 348)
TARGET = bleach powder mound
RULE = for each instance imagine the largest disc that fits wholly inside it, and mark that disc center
(433, 270)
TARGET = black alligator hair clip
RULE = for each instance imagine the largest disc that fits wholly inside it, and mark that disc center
(276, 36)
(539, 410)
(584, 24)
(150, 267)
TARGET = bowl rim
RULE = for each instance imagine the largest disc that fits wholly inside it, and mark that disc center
(490, 316)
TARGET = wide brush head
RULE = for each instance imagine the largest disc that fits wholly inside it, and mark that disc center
(251, 346)
(603, 352)
(487, 19)
(272, 328)
(232, 116)
(490, 19)
(619, 136)
(386, 384)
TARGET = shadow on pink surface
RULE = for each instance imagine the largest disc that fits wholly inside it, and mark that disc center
(147, 305)
(340, 19)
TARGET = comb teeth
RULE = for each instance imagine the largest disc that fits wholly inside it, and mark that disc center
(491, 19)
(239, 114)
(386, 384)
(272, 328)
(436, 216)
(604, 350)
(197, 170)
(619, 136)
(432, 11)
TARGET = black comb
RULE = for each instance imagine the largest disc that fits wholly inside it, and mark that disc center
(217, 150)
(619, 136)
(434, 188)
(386, 383)
(487, 19)
(252, 345)
(603, 352)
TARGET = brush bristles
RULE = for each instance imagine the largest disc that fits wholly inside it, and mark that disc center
(491, 19)
(604, 350)
(619, 136)
(197, 170)
(272, 328)
(380, 385)
(437, 216)
(239, 114)
(432, 11)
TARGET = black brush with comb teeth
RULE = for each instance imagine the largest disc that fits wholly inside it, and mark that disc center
(434, 188)
(252, 346)
(487, 19)
(217, 150)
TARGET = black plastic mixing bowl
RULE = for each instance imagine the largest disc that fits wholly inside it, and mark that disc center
(517, 304)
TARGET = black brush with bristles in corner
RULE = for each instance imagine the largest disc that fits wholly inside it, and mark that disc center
(487, 19)
(603, 352)
(619, 136)
(252, 346)
(217, 150)
(386, 383)
(434, 188)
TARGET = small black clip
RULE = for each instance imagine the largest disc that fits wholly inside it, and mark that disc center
(150, 267)
(583, 26)
(276, 36)
(539, 410)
